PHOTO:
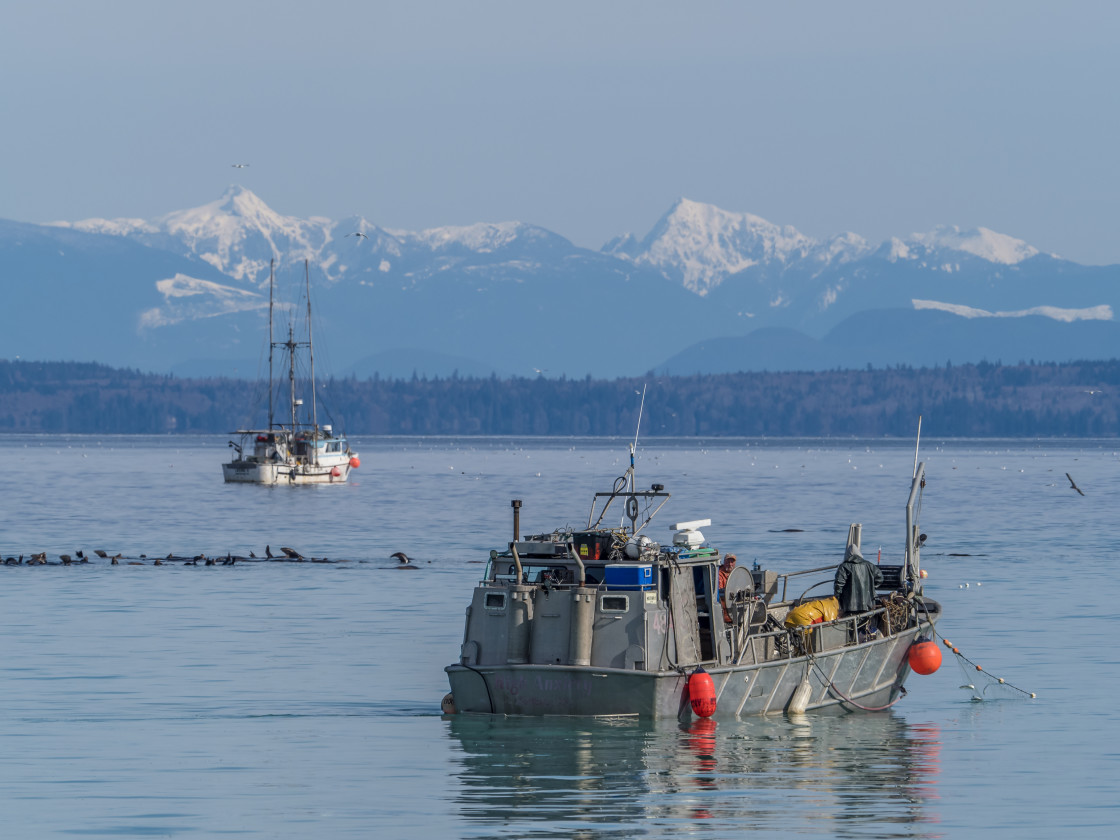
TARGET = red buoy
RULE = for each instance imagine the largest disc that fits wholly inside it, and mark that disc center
(336, 472)
(354, 462)
(924, 657)
(702, 693)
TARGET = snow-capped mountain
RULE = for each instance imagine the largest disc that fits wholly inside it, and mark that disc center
(697, 245)
(511, 295)
(703, 246)
(943, 247)
(238, 234)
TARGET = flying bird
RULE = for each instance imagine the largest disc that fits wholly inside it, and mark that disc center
(239, 165)
(358, 234)
(1073, 484)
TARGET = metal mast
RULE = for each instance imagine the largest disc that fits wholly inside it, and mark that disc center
(311, 357)
(271, 264)
(291, 345)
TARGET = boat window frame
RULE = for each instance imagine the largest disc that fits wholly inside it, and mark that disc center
(497, 595)
(605, 597)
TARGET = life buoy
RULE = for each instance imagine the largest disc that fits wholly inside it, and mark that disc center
(702, 693)
(924, 657)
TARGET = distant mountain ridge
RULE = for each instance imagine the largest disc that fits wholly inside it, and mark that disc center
(512, 296)
(703, 245)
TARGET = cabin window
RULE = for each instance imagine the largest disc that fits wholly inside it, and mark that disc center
(614, 604)
(333, 447)
(495, 600)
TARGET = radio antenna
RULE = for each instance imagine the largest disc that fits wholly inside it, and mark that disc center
(636, 430)
(917, 441)
(640, 407)
(634, 445)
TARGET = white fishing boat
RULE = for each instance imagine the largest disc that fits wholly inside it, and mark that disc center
(294, 449)
(607, 621)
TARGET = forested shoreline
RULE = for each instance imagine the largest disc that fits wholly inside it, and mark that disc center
(1080, 399)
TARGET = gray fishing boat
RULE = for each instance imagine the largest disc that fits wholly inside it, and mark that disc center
(606, 621)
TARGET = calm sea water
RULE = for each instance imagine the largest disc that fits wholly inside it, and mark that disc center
(302, 700)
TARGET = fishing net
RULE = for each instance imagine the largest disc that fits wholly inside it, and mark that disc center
(897, 611)
(985, 686)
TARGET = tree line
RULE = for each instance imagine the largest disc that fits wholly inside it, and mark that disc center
(1079, 399)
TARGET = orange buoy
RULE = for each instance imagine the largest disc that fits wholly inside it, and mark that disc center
(336, 472)
(924, 657)
(702, 693)
(354, 462)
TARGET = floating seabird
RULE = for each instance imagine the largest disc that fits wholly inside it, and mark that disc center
(1073, 484)
(268, 552)
(100, 553)
(291, 553)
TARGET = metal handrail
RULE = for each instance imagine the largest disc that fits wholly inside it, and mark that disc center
(786, 577)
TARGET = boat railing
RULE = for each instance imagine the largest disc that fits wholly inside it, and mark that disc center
(756, 647)
(788, 576)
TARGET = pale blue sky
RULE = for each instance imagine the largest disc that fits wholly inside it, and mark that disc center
(588, 118)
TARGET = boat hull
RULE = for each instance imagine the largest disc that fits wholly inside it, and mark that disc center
(254, 472)
(863, 677)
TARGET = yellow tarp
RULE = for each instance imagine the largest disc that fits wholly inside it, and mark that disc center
(826, 609)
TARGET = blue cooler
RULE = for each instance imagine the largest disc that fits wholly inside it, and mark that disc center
(628, 576)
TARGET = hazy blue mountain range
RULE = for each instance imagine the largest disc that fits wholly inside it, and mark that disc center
(705, 290)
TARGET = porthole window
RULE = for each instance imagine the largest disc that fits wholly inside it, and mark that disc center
(495, 600)
(614, 604)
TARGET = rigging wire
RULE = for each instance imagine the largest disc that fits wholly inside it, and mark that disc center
(992, 678)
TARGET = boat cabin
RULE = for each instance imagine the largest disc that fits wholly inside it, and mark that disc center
(604, 598)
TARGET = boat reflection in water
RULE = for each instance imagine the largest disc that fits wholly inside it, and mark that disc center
(866, 775)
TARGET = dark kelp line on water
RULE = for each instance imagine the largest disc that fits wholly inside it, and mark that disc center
(1079, 399)
(81, 557)
(397, 561)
